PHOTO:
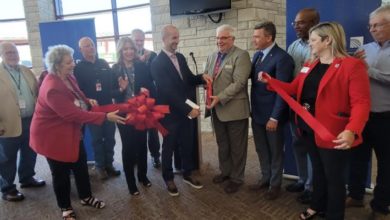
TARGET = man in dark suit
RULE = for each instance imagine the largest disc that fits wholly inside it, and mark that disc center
(269, 112)
(175, 83)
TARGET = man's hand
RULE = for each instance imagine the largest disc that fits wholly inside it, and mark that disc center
(361, 54)
(208, 79)
(144, 57)
(194, 113)
(263, 77)
(214, 102)
(93, 102)
(123, 83)
(2, 132)
(271, 125)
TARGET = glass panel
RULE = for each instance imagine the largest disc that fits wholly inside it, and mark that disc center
(149, 42)
(106, 49)
(77, 6)
(103, 23)
(134, 18)
(124, 3)
(11, 9)
(18, 33)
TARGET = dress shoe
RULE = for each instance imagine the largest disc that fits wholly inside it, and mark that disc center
(33, 183)
(305, 197)
(259, 186)
(220, 178)
(112, 171)
(351, 202)
(232, 187)
(272, 194)
(378, 216)
(295, 187)
(13, 196)
(156, 163)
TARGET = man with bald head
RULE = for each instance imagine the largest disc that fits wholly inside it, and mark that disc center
(95, 79)
(18, 92)
(300, 52)
(175, 85)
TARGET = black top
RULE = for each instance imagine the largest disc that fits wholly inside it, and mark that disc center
(310, 91)
(95, 80)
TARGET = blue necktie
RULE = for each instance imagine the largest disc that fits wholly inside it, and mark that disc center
(258, 61)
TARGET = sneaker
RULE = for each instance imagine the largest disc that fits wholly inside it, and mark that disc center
(351, 202)
(101, 173)
(172, 189)
(192, 182)
(305, 197)
(145, 181)
(112, 171)
(13, 196)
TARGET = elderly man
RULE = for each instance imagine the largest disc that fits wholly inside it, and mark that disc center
(18, 89)
(175, 83)
(376, 133)
(147, 57)
(230, 68)
(269, 111)
(300, 52)
(95, 79)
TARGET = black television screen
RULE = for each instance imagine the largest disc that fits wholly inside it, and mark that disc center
(189, 7)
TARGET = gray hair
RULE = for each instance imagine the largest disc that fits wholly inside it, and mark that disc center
(4, 44)
(137, 30)
(226, 27)
(54, 56)
(384, 9)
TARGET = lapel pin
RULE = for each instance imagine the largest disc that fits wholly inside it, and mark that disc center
(337, 65)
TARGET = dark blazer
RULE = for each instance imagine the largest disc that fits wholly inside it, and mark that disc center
(266, 104)
(171, 89)
(343, 99)
(142, 79)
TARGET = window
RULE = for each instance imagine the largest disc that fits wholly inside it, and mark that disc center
(130, 19)
(81, 6)
(103, 23)
(11, 9)
(126, 3)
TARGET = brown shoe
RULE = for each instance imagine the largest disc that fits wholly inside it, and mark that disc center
(258, 186)
(272, 194)
(171, 187)
(351, 202)
(220, 178)
(232, 187)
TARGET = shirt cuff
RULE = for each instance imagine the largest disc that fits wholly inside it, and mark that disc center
(272, 119)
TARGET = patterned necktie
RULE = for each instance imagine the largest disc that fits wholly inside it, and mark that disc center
(258, 61)
(218, 63)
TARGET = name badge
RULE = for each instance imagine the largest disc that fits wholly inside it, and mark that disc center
(305, 69)
(228, 67)
(22, 104)
(77, 103)
(98, 87)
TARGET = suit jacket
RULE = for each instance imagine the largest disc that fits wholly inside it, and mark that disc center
(56, 125)
(266, 104)
(10, 119)
(343, 99)
(231, 84)
(142, 79)
(171, 89)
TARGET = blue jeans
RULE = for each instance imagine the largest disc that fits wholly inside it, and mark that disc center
(103, 142)
(9, 148)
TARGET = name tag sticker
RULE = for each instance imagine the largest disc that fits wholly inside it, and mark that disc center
(228, 66)
(305, 69)
(98, 87)
(22, 104)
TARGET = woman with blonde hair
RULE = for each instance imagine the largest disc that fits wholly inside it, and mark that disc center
(334, 88)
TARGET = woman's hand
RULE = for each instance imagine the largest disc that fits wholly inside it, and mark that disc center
(123, 83)
(93, 102)
(263, 77)
(344, 140)
(114, 117)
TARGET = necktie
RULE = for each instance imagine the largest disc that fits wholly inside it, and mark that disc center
(218, 63)
(176, 64)
(258, 61)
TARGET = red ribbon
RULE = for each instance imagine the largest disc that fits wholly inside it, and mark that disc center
(209, 93)
(141, 112)
(317, 127)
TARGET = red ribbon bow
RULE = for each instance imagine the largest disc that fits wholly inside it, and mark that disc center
(141, 112)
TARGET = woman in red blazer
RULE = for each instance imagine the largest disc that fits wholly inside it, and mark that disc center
(334, 88)
(56, 133)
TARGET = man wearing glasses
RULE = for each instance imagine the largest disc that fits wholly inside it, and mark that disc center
(300, 52)
(376, 133)
(230, 68)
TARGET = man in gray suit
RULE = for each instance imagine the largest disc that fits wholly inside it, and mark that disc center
(230, 68)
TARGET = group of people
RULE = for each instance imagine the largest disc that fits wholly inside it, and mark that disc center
(344, 94)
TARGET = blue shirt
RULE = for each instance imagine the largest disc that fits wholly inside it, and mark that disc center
(300, 52)
(25, 96)
(378, 60)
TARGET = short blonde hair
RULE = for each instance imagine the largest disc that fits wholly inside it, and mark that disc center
(54, 56)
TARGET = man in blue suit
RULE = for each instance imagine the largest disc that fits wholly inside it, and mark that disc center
(269, 111)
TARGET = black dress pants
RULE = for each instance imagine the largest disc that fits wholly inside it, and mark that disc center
(60, 172)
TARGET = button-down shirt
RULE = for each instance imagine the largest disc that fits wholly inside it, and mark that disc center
(175, 62)
(266, 51)
(378, 60)
(23, 91)
(300, 52)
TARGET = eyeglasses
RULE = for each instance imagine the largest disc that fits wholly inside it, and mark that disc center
(377, 25)
(223, 38)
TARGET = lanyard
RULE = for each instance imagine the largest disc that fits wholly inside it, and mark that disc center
(18, 82)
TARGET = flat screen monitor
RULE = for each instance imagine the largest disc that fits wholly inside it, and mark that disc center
(194, 7)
